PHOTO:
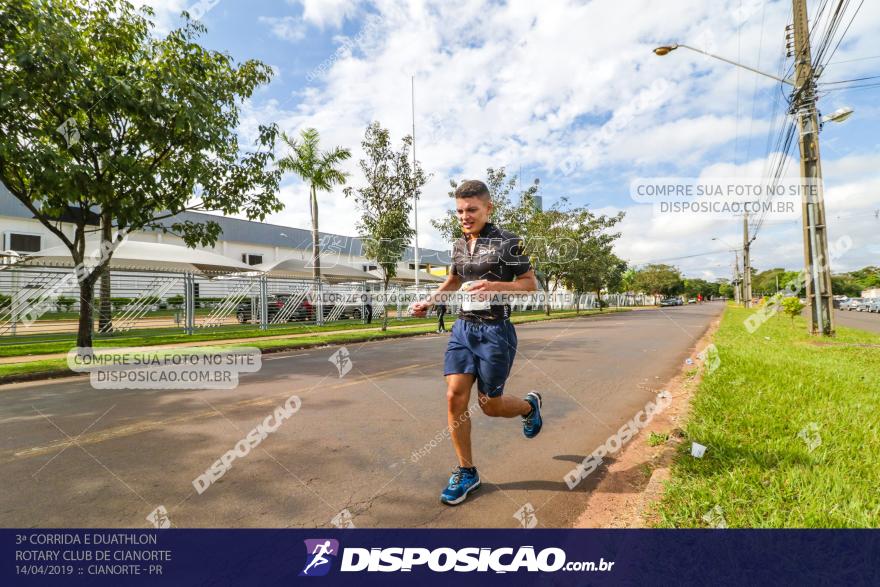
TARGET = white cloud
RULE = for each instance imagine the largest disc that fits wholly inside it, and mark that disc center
(324, 13)
(535, 84)
(286, 28)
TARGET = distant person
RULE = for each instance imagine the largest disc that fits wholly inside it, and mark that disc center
(482, 344)
(441, 312)
(368, 310)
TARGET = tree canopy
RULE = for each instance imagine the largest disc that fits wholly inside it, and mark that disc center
(105, 125)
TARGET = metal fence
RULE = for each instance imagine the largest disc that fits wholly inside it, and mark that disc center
(44, 303)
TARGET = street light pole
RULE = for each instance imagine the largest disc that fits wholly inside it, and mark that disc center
(747, 264)
(412, 81)
(666, 49)
(816, 259)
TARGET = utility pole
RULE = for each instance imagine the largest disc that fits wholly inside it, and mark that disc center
(816, 261)
(412, 81)
(747, 267)
(737, 283)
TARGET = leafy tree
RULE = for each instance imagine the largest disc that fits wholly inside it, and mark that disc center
(385, 202)
(846, 285)
(506, 213)
(317, 168)
(659, 279)
(596, 267)
(694, 287)
(725, 289)
(627, 280)
(111, 129)
(866, 278)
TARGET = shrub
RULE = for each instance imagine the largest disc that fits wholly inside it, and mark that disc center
(792, 307)
(64, 303)
(119, 302)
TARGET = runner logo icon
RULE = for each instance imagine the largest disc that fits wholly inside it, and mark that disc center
(320, 554)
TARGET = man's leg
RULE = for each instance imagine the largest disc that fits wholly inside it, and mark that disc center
(505, 406)
(458, 395)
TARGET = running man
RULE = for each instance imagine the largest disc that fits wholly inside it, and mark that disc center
(482, 344)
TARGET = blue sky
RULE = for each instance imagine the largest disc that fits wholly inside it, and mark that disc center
(569, 92)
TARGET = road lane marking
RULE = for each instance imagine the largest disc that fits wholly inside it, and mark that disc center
(150, 425)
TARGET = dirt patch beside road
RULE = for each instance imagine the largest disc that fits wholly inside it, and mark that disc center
(632, 481)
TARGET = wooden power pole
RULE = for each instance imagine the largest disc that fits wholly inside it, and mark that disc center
(816, 261)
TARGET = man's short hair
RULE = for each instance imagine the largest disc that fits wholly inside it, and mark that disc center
(472, 188)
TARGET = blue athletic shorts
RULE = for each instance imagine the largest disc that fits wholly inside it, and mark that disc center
(483, 349)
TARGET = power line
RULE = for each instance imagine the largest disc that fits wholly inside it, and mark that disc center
(856, 87)
(854, 60)
(846, 30)
(755, 90)
(855, 79)
(678, 258)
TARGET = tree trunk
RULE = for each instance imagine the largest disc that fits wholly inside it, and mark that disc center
(105, 312)
(599, 298)
(316, 251)
(577, 303)
(385, 299)
(86, 298)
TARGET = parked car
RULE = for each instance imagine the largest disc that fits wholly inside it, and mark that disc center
(304, 313)
(692, 301)
(874, 305)
(851, 304)
(863, 305)
(670, 302)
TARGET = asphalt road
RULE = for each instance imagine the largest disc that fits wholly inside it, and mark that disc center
(863, 320)
(71, 455)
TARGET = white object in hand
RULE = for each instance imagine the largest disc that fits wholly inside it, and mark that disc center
(469, 304)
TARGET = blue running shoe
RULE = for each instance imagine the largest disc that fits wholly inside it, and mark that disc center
(461, 483)
(533, 422)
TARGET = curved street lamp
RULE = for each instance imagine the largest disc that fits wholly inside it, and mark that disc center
(667, 49)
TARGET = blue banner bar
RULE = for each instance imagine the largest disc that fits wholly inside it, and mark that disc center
(436, 557)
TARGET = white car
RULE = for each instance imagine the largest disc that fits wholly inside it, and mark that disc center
(851, 304)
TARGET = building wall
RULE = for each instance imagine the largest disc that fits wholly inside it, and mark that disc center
(227, 248)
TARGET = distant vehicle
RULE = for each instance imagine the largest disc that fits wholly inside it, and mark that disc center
(670, 302)
(851, 304)
(874, 305)
(304, 313)
(863, 305)
(692, 301)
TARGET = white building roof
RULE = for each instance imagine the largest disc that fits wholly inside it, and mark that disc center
(299, 268)
(138, 255)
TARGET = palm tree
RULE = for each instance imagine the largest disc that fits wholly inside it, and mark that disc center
(317, 168)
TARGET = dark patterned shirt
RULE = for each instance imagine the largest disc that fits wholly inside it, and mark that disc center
(498, 256)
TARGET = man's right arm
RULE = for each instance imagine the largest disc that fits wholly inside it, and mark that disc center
(452, 283)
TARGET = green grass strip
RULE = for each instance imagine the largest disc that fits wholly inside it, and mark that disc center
(55, 367)
(774, 391)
